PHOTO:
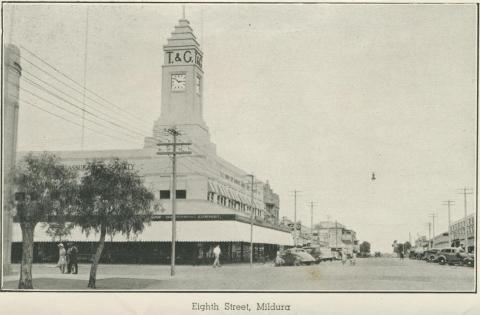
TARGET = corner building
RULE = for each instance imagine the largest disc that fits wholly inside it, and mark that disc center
(213, 195)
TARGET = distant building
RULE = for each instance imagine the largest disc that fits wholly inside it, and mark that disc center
(336, 235)
(421, 242)
(457, 229)
(441, 241)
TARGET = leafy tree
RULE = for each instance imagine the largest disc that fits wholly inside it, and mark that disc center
(365, 247)
(112, 199)
(46, 191)
(59, 230)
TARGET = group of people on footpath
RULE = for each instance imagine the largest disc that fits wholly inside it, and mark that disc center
(68, 258)
(348, 255)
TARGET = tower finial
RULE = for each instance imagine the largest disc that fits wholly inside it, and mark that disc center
(183, 12)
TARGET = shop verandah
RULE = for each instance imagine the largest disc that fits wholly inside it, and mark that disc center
(196, 238)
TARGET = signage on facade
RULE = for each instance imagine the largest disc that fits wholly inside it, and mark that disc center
(183, 56)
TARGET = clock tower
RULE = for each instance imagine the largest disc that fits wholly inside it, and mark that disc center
(182, 89)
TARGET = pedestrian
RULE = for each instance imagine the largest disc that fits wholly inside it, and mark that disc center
(68, 249)
(72, 253)
(344, 256)
(216, 252)
(353, 259)
(279, 260)
(62, 258)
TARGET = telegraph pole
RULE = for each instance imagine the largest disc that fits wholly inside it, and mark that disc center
(433, 215)
(312, 204)
(448, 203)
(173, 191)
(429, 234)
(465, 191)
(295, 192)
(336, 234)
(251, 220)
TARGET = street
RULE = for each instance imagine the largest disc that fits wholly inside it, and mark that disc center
(369, 274)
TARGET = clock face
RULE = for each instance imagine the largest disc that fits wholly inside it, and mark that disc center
(178, 82)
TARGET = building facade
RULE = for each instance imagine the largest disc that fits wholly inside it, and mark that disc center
(441, 240)
(464, 229)
(337, 236)
(215, 200)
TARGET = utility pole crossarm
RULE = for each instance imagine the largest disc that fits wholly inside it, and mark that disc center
(174, 153)
(170, 143)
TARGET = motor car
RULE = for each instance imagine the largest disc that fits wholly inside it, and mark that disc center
(430, 254)
(469, 260)
(296, 257)
(451, 256)
(320, 253)
(417, 253)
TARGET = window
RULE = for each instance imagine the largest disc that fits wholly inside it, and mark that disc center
(164, 194)
(180, 194)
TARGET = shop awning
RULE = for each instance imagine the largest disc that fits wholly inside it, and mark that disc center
(187, 231)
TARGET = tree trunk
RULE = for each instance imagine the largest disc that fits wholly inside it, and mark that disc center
(96, 258)
(25, 281)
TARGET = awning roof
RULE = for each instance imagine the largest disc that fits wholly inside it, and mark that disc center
(187, 231)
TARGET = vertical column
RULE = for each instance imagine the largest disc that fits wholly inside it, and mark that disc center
(12, 73)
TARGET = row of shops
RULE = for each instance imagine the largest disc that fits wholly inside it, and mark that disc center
(197, 235)
(461, 234)
(192, 253)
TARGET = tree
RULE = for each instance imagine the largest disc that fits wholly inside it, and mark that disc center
(59, 230)
(46, 191)
(365, 247)
(112, 199)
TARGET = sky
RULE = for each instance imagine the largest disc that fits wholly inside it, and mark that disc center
(310, 97)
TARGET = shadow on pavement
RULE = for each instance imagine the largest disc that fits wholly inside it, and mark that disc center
(73, 284)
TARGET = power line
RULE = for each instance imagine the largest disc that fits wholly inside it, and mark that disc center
(85, 55)
(70, 79)
(71, 88)
(70, 121)
(66, 110)
(36, 85)
(29, 74)
(78, 107)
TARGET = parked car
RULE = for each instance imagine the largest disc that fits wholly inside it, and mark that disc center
(418, 253)
(451, 256)
(296, 257)
(469, 260)
(430, 254)
(320, 253)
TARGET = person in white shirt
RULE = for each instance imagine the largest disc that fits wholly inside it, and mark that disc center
(216, 252)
